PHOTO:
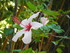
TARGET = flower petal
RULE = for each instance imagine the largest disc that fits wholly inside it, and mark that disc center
(24, 22)
(33, 16)
(36, 25)
(18, 34)
(44, 20)
(27, 37)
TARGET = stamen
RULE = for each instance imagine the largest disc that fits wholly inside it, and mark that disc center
(28, 27)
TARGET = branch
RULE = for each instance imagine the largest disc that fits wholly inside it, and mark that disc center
(61, 40)
(50, 4)
(15, 8)
(61, 37)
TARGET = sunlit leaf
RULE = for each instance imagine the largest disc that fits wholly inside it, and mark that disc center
(16, 50)
(28, 51)
(31, 6)
(3, 52)
(59, 50)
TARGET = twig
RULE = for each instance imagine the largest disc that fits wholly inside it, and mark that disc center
(61, 37)
(15, 9)
(14, 14)
(5, 42)
(50, 4)
(26, 47)
(62, 4)
(60, 41)
(41, 44)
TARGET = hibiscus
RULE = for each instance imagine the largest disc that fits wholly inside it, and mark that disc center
(27, 24)
(44, 20)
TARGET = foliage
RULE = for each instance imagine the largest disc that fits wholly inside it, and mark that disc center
(59, 23)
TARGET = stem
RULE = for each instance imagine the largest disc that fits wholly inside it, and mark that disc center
(13, 44)
(41, 44)
(60, 41)
(5, 42)
(48, 45)
(62, 4)
(15, 8)
(50, 4)
(21, 45)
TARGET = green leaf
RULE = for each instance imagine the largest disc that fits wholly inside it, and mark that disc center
(59, 50)
(51, 26)
(51, 18)
(58, 30)
(17, 50)
(62, 45)
(37, 39)
(31, 6)
(54, 43)
(17, 26)
(65, 37)
(49, 12)
(54, 22)
(45, 28)
(42, 52)
(3, 52)
(28, 51)
(8, 31)
(40, 7)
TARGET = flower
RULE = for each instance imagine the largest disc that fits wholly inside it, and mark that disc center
(27, 24)
(15, 19)
(44, 20)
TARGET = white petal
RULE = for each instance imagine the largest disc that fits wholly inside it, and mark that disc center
(24, 22)
(36, 25)
(44, 20)
(18, 34)
(33, 16)
(27, 37)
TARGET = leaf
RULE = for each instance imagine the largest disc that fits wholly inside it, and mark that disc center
(40, 7)
(16, 50)
(8, 31)
(28, 51)
(56, 28)
(51, 18)
(51, 26)
(54, 43)
(31, 6)
(42, 52)
(45, 28)
(37, 39)
(49, 12)
(17, 26)
(65, 37)
(54, 22)
(62, 45)
(3, 52)
(59, 50)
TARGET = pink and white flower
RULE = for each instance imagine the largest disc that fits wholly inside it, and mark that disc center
(44, 20)
(27, 24)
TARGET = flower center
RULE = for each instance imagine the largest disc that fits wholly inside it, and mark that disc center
(28, 27)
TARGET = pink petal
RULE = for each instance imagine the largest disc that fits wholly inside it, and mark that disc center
(15, 19)
(44, 20)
